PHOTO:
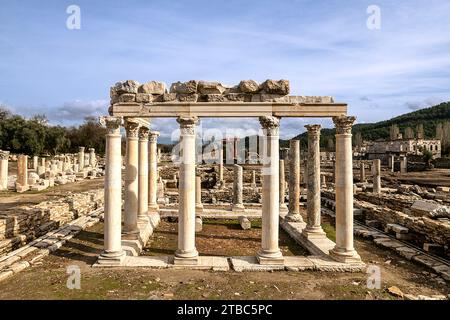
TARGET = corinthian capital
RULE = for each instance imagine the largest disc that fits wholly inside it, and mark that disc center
(271, 124)
(313, 129)
(153, 136)
(132, 128)
(4, 155)
(344, 124)
(187, 124)
(111, 123)
(143, 133)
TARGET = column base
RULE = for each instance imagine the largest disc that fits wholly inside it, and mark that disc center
(283, 207)
(342, 255)
(313, 233)
(114, 258)
(293, 217)
(198, 208)
(130, 233)
(186, 258)
(237, 208)
(270, 258)
(152, 208)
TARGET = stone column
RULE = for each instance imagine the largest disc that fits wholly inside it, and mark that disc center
(22, 173)
(35, 162)
(143, 174)
(92, 157)
(187, 253)
(362, 172)
(376, 174)
(80, 158)
(313, 228)
(253, 184)
(4, 156)
(344, 251)
(283, 206)
(153, 172)
(392, 163)
(270, 252)
(294, 182)
(324, 181)
(198, 194)
(403, 164)
(238, 187)
(220, 179)
(112, 253)
(131, 178)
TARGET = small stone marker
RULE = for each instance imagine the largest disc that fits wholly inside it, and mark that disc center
(245, 223)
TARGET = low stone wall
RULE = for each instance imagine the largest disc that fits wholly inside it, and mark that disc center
(393, 201)
(22, 224)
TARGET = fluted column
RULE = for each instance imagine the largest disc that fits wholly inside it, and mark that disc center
(187, 253)
(376, 175)
(270, 252)
(131, 178)
(80, 158)
(344, 250)
(283, 206)
(143, 174)
(4, 156)
(294, 182)
(153, 172)
(313, 228)
(112, 253)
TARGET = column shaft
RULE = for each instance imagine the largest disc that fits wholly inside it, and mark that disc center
(187, 253)
(4, 156)
(313, 228)
(113, 253)
(270, 252)
(283, 205)
(143, 173)
(344, 251)
(131, 178)
(376, 174)
(238, 187)
(153, 172)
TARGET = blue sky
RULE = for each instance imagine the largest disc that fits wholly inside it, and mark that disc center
(322, 47)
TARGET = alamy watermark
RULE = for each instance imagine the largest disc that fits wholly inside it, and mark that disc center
(373, 21)
(74, 280)
(73, 21)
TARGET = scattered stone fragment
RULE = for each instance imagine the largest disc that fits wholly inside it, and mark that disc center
(395, 291)
(153, 87)
(275, 86)
(248, 86)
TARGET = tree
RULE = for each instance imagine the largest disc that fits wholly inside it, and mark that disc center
(57, 140)
(394, 132)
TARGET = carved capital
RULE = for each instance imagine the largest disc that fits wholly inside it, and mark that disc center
(131, 128)
(112, 124)
(313, 130)
(344, 124)
(187, 125)
(143, 133)
(271, 124)
(4, 155)
(153, 137)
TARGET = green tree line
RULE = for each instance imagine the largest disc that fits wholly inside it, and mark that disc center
(35, 136)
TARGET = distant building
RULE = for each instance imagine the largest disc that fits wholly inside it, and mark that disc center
(380, 149)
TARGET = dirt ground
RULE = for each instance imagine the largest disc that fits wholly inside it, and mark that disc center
(9, 199)
(48, 279)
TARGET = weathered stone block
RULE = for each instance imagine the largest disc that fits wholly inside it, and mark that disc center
(264, 97)
(249, 86)
(206, 87)
(127, 97)
(184, 87)
(153, 87)
(275, 86)
(241, 97)
(187, 97)
(144, 97)
(214, 98)
(121, 87)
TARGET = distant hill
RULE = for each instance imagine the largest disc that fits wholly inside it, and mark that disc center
(429, 117)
